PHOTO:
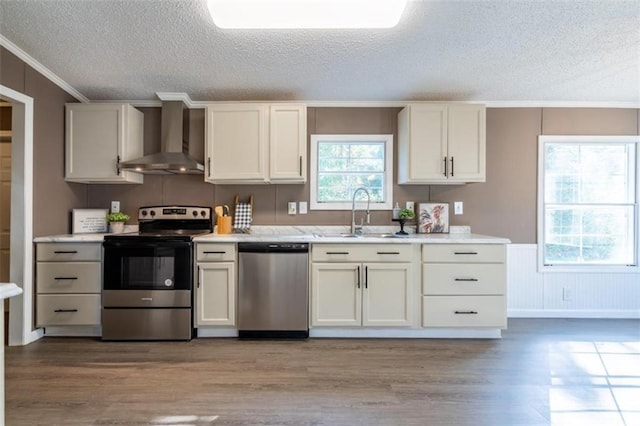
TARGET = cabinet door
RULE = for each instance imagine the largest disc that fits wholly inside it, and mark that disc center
(97, 137)
(336, 291)
(422, 143)
(288, 143)
(216, 294)
(386, 298)
(466, 148)
(235, 146)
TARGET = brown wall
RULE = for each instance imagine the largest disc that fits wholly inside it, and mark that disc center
(53, 198)
(505, 205)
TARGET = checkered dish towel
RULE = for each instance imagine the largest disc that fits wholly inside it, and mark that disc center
(242, 219)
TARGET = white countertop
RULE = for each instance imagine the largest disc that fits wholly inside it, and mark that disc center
(313, 234)
(315, 239)
(8, 290)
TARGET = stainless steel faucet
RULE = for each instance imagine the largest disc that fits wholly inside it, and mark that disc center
(357, 229)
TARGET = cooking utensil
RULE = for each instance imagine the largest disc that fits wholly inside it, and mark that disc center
(218, 210)
(226, 210)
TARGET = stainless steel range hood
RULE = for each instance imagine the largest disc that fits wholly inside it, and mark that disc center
(174, 155)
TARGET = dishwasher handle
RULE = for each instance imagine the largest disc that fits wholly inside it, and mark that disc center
(273, 247)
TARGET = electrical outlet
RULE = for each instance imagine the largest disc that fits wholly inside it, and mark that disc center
(292, 207)
(457, 207)
(302, 205)
(410, 205)
(115, 206)
(566, 294)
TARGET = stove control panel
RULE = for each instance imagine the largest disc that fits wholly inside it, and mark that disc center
(174, 212)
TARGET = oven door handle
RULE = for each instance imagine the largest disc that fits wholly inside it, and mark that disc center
(137, 245)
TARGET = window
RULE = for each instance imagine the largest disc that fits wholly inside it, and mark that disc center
(340, 164)
(588, 202)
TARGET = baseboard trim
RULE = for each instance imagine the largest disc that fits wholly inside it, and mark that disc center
(582, 313)
(217, 332)
(74, 331)
(423, 333)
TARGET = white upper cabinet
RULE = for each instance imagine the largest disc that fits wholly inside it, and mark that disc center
(98, 136)
(235, 143)
(441, 143)
(288, 143)
(256, 143)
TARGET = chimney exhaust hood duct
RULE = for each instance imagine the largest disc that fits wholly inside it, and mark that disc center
(174, 155)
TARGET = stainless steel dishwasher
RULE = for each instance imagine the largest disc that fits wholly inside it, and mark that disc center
(273, 290)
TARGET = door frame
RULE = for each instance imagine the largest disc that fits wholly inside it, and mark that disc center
(21, 312)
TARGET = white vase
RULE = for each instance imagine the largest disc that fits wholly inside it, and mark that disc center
(116, 227)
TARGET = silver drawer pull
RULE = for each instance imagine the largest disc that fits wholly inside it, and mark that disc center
(214, 252)
(465, 252)
(65, 278)
(149, 299)
(66, 310)
(466, 312)
(337, 252)
(388, 252)
(475, 280)
(66, 251)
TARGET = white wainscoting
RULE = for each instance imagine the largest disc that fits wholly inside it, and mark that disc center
(532, 294)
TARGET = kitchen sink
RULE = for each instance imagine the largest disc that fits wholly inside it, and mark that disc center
(338, 235)
(383, 235)
(365, 235)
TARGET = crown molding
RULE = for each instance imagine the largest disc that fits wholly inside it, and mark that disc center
(559, 104)
(175, 96)
(374, 104)
(29, 60)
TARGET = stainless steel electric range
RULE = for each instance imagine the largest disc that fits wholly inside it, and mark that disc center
(148, 275)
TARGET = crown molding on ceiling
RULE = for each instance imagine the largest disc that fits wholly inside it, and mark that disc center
(391, 104)
(559, 104)
(29, 60)
(175, 96)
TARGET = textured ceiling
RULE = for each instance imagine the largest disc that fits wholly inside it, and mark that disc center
(485, 50)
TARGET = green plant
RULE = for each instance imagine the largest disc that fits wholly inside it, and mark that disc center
(117, 217)
(406, 214)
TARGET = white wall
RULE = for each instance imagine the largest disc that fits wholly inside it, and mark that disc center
(590, 295)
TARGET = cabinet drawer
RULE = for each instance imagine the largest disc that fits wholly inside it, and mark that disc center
(469, 279)
(463, 253)
(65, 252)
(215, 252)
(58, 309)
(361, 253)
(68, 277)
(464, 311)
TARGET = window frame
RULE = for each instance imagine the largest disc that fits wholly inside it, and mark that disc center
(574, 267)
(316, 139)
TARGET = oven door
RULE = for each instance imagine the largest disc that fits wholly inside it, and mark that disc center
(156, 265)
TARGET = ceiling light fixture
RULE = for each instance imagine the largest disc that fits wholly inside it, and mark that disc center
(274, 14)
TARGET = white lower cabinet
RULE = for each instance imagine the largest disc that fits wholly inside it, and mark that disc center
(464, 285)
(464, 311)
(68, 284)
(361, 293)
(216, 285)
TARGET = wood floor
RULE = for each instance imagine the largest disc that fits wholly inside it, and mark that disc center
(573, 372)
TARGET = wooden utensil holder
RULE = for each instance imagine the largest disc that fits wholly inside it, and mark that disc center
(224, 224)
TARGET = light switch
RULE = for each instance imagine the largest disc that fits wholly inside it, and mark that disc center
(292, 207)
(303, 207)
(457, 207)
